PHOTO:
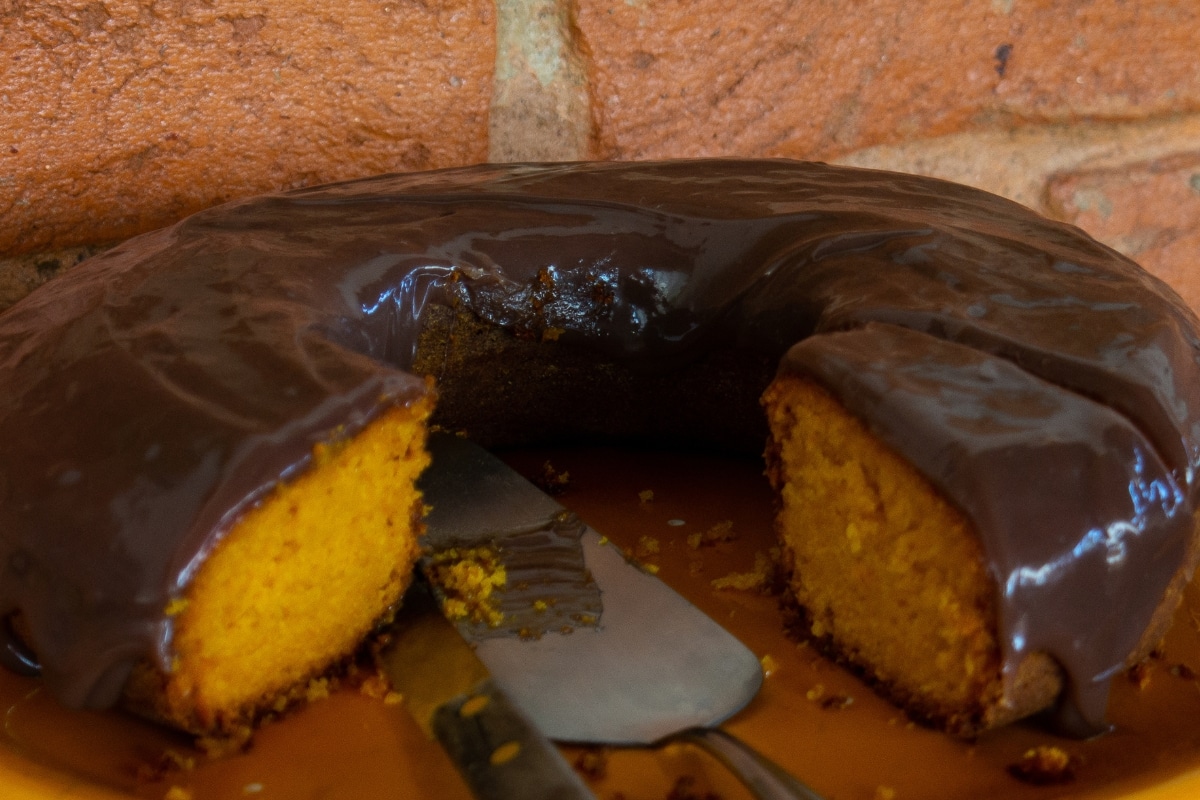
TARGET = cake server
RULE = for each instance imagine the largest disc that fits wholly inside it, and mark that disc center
(592, 648)
(447, 690)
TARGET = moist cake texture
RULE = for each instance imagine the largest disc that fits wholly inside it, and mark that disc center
(1037, 394)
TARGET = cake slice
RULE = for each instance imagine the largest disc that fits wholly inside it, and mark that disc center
(890, 569)
(291, 592)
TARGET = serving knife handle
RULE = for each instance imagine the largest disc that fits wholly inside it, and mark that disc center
(499, 752)
(765, 779)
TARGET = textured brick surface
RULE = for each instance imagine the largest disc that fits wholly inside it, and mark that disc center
(1149, 211)
(540, 108)
(120, 116)
(817, 78)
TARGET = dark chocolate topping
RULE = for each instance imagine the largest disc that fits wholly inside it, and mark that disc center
(1076, 512)
(158, 390)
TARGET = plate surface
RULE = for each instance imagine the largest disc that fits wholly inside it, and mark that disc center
(811, 716)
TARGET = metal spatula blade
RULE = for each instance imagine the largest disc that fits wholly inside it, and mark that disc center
(591, 647)
(639, 661)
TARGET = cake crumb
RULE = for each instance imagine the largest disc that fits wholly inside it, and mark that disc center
(233, 743)
(720, 532)
(178, 793)
(1139, 675)
(551, 481)
(505, 753)
(739, 581)
(317, 689)
(169, 762)
(885, 793)
(468, 579)
(760, 578)
(592, 763)
(1183, 671)
(178, 760)
(374, 686)
(836, 702)
(252, 788)
(685, 789)
(1045, 765)
(176, 607)
(646, 495)
(769, 665)
(647, 546)
(815, 693)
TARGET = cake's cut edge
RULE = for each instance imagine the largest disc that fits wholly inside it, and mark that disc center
(887, 577)
(292, 591)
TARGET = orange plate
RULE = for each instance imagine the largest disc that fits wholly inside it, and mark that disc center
(812, 717)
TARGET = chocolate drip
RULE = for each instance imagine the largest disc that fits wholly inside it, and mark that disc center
(161, 388)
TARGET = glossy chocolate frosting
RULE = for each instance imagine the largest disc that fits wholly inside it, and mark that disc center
(1077, 513)
(155, 392)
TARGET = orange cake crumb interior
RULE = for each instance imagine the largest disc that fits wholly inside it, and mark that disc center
(302, 578)
(891, 576)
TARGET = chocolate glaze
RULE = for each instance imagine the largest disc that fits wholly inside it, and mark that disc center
(1076, 512)
(158, 390)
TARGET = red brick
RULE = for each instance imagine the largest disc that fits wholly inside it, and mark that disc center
(120, 116)
(1149, 211)
(820, 78)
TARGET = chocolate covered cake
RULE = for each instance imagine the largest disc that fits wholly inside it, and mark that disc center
(984, 423)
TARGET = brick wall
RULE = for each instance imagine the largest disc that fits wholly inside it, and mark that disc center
(120, 116)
